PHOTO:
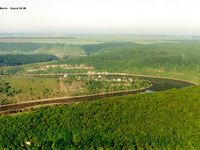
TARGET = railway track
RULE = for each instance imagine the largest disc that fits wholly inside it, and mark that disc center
(64, 100)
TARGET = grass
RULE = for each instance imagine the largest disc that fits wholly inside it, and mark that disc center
(20, 88)
(31, 88)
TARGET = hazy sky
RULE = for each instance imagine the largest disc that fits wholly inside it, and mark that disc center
(102, 16)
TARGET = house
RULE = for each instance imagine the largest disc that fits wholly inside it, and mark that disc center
(119, 80)
(65, 75)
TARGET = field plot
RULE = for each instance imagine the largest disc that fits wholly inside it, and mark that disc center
(18, 88)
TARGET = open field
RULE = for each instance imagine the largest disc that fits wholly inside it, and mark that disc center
(20, 89)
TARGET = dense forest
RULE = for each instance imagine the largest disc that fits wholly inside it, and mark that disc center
(162, 120)
(20, 59)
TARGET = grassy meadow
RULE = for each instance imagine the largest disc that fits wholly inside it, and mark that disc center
(28, 88)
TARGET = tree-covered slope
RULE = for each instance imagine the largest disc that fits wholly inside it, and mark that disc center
(19, 47)
(163, 120)
(44, 48)
(178, 60)
(20, 59)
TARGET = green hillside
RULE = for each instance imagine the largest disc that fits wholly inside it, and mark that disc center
(163, 120)
(178, 60)
(44, 48)
(20, 59)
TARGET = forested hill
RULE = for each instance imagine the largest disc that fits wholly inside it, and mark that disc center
(92, 49)
(19, 59)
(163, 120)
(178, 60)
(20, 47)
(44, 48)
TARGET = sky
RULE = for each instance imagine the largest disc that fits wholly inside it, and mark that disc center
(102, 16)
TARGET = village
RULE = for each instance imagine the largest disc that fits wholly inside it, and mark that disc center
(94, 83)
(63, 66)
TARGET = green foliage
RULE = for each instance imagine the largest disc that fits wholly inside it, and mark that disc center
(44, 48)
(163, 120)
(11, 70)
(110, 84)
(59, 70)
(61, 49)
(19, 59)
(6, 89)
(19, 47)
(4, 101)
(93, 86)
(28, 88)
(92, 49)
(162, 59)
